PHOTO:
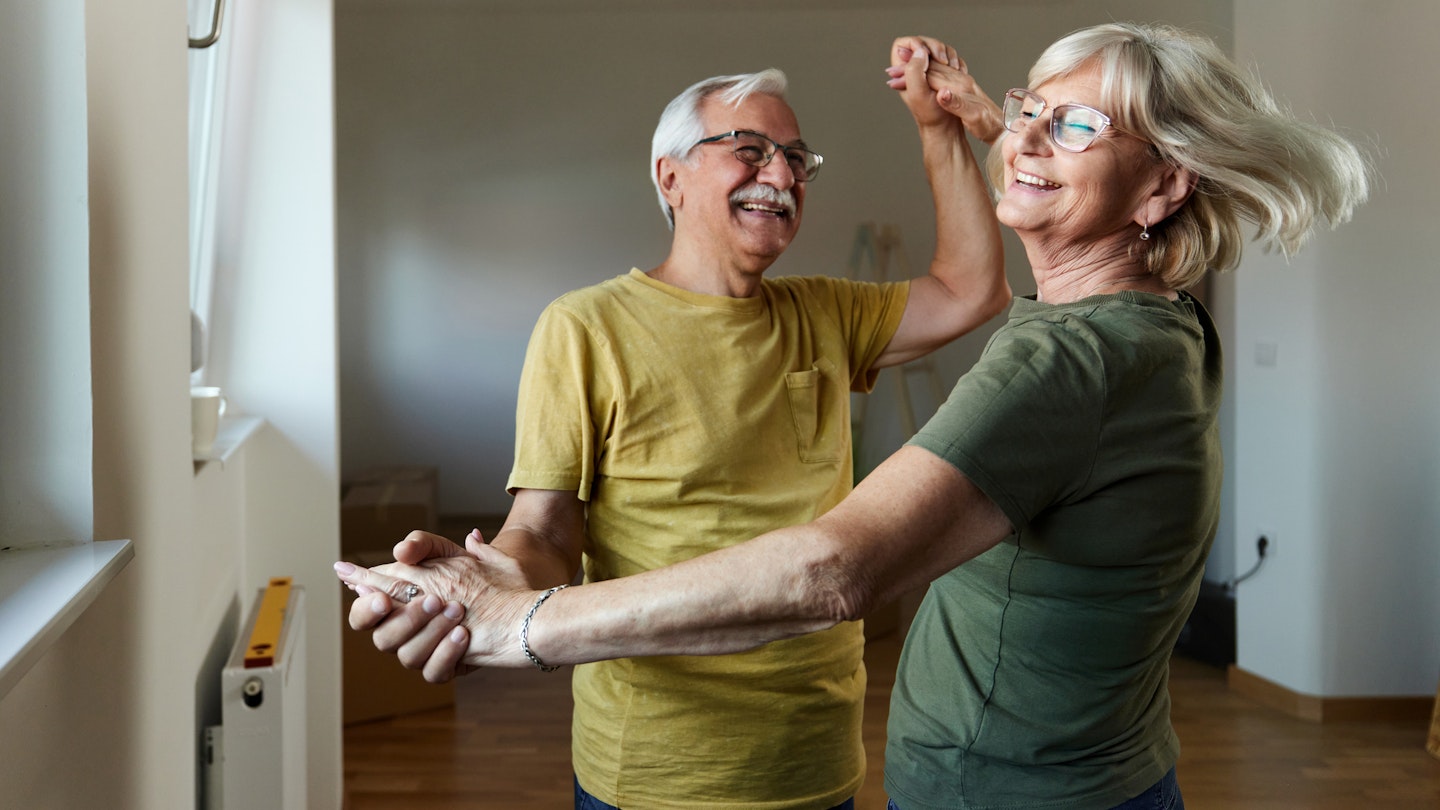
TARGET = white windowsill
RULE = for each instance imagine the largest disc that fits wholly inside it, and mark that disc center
(233, 433)
(43, 590)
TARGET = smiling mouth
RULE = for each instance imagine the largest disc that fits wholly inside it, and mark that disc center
(766, 208)
(765, 200)
(1034, 181)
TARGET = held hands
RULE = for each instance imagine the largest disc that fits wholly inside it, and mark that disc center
(467, 611)
(935, 84)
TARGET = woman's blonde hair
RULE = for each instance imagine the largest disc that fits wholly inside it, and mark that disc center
(1253, 161)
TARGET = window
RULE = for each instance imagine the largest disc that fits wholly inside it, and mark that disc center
(49, 568)
(208, 67)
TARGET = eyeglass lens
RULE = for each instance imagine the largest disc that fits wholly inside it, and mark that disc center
(757, 150)
(1073, 127)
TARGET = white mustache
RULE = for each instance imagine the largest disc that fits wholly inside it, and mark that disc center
(761, 193)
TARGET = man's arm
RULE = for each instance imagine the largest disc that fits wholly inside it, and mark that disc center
(544, 533)
(911, 520)
(966, 285)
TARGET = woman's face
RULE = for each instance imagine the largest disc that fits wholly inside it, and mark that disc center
(1074, 198)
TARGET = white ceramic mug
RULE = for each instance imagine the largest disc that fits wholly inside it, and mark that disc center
(207, 405)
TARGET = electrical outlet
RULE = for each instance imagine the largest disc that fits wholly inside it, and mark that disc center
(1264, 543)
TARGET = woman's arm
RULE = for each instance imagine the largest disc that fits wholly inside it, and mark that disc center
(965, 284)
(539, 546)
(911, 520)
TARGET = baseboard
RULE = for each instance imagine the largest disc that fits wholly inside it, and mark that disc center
(1317, 709)
(1432, 744)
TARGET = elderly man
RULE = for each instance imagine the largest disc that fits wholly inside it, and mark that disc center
(667, 413)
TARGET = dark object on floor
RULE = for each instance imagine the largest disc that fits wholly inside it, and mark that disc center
(1209, 633)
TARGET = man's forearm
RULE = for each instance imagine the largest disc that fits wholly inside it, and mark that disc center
(544, 564)
(544, 533)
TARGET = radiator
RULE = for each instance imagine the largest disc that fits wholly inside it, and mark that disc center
(255, 760)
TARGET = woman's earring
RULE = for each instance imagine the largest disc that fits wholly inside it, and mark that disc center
(1145, 232)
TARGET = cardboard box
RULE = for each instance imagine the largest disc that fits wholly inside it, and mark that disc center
(379, 507)
(384, 504)
(376, 686)
(397, 474)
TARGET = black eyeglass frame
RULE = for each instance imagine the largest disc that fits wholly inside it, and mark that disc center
(810, 169)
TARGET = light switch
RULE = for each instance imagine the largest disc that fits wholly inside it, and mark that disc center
(1265, 351)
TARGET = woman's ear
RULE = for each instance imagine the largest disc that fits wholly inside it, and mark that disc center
(1172, 188)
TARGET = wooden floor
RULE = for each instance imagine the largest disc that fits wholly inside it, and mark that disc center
(506, 745)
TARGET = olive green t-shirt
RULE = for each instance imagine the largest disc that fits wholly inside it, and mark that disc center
(1036, 674)
(690, 423)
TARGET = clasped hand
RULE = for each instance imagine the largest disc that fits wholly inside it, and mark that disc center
(466, 614)
(937, 87)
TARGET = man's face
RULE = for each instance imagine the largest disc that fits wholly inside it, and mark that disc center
(745, 214)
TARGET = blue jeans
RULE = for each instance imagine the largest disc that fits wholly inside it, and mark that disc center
(584, 801)
(1163, 795)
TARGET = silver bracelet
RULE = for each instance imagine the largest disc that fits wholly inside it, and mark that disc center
(525, 630)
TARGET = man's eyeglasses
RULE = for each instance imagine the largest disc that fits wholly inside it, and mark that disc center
(1073, 127)
(754, 149)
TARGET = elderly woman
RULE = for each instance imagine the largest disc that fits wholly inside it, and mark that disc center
(1062, 501)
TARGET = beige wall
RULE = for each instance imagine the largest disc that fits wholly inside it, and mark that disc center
(112, 715)
(99, 711)
(494, 155)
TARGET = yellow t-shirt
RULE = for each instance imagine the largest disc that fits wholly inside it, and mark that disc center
(692, 422)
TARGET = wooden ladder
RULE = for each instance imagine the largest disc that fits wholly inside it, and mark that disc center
(876, 251)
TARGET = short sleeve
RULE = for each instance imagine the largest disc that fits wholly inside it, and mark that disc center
(1024, 423)
(565, 401)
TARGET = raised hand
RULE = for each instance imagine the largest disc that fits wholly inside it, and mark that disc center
(934, 81)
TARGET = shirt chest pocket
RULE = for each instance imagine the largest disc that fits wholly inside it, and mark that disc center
(818, 412)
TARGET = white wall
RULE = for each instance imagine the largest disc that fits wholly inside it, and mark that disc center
(45, 429)
(273, 335)
(112, 715)
(1336, 454)
(95, 719)
(493, 156)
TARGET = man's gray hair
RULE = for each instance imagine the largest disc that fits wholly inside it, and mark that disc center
(681, 124)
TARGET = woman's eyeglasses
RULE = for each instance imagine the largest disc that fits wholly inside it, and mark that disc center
(1073, 127)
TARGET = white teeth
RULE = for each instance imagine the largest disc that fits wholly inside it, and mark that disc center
(752, 206)
(1032, 180)
(764, 199)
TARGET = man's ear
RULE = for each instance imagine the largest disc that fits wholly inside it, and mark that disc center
(1172, 188)
(666, 172)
